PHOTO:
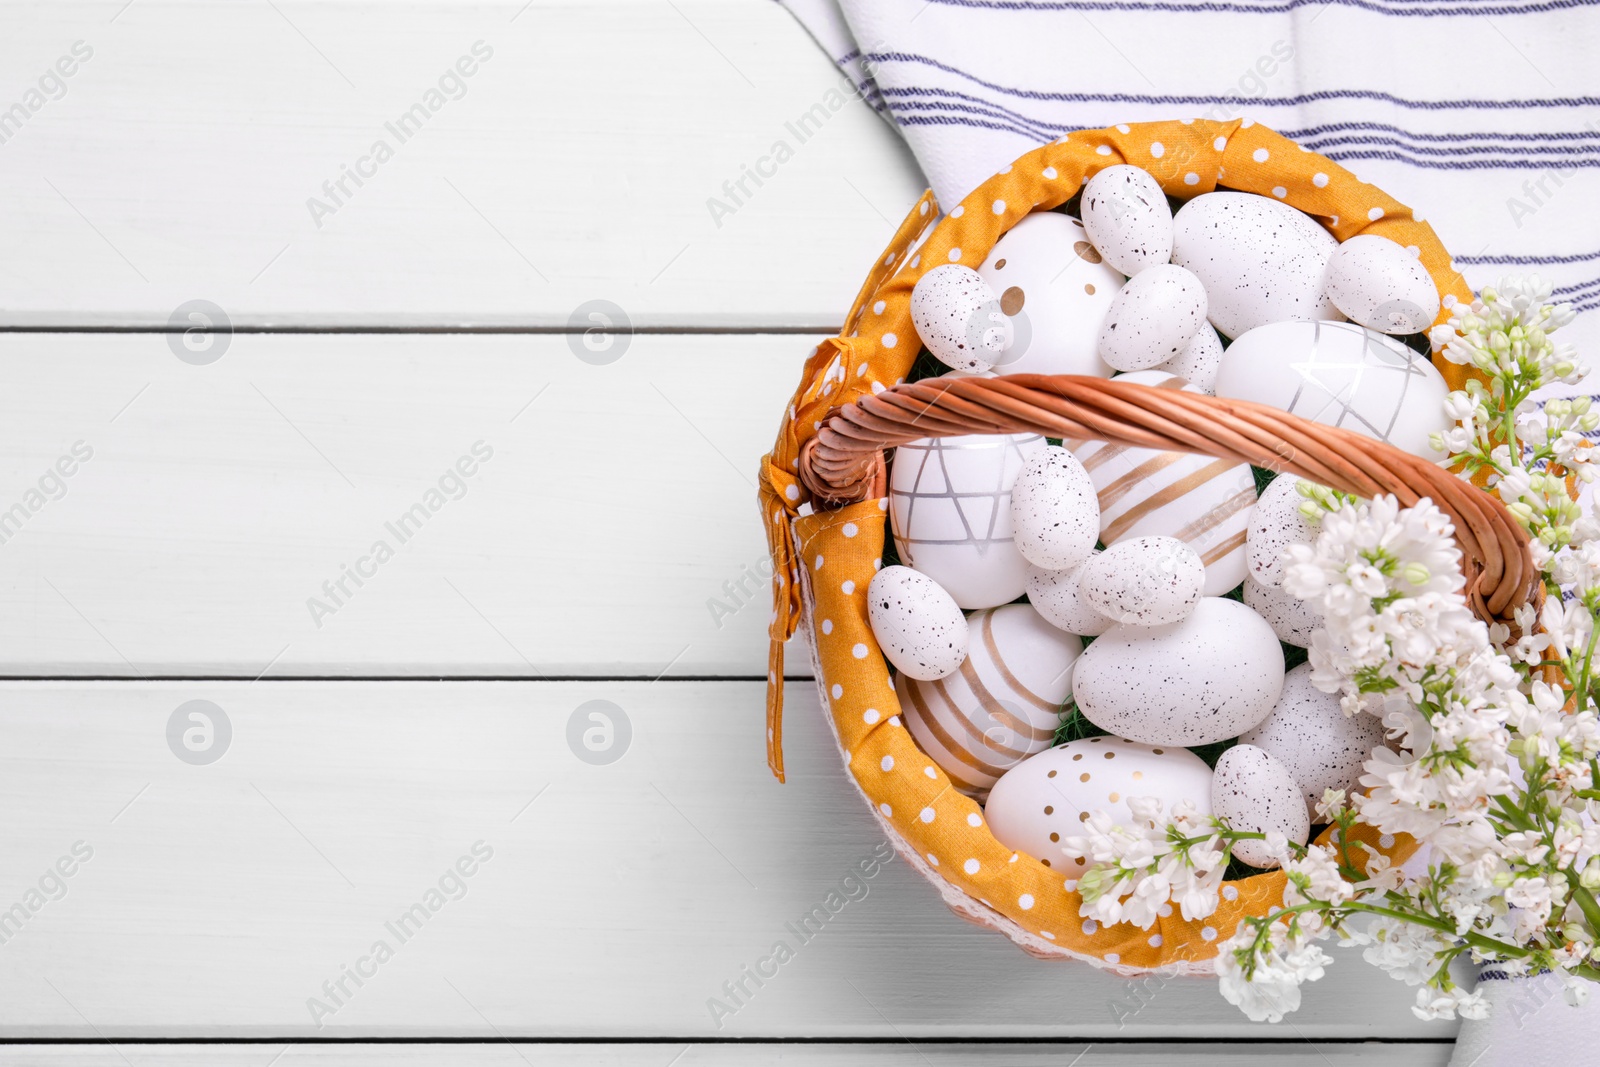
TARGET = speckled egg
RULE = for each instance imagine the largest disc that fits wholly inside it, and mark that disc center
(1291, 618)
(1056, 289)
(1320, 745)
(1057, 597)
(950, 509)
(918, 625)
(1055, 515)
(1197, 364)
(1275, 524)
(1143, 581)
(1212, 676)
(1127, 218)
(958, 318)
(1199, 499)
(1002, 706)
(1340, 374)
(1255, 792)
(1153, 318)
(1260, 260)
(1382, 285)
(1046, 797)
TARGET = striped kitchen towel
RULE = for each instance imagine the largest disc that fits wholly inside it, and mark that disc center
(1483, 115)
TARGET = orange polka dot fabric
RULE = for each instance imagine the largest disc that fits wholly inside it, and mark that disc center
(825, 558)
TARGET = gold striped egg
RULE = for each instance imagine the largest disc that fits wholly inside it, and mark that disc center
(1002, 705)
(1200, 500)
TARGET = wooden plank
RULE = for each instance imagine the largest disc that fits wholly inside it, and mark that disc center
(575, 162)
(618, 505)
(618, 900)
(907, 1054)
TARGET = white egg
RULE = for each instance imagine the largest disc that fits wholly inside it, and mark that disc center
(1144, 581)
(958, 318)
(1256, 793)
(1002, 706)
(1054, 512)
(1153, 318)
(1293, 620)
(1057, 597)
(1046, 798)
(1127, 218)
(1275, 524)
(1321, 746)
(1260, 260)
(1197, 364)
(950, 507)
(917, 624)
(1056, 289)
(1380, 285)
(1208, 678)
(1340, 374)
(1144, 492)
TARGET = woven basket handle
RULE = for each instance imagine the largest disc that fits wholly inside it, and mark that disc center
(844, 461)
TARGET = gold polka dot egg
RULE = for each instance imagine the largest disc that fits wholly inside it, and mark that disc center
(1200, 500)
(1056, 288)
(1045, 799)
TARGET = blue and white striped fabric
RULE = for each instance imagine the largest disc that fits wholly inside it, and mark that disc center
(1483, 115)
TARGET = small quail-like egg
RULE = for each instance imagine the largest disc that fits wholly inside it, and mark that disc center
(1055, 514)
(916, 623)
(1276, 523)
(1380, 285)
(1254, 792)
(1144, 581)
(958, 318)
(1153, 318)
(1127, 217)
(1056, 596)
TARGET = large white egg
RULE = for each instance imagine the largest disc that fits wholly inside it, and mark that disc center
(1059, 599)
(917, 624)
(1255, 792)
(1056, 288)
(1047, 797)
(950, 507)
(1212, 676)
(1128, 218)
(1145, 492)
(1260, 260)
(958, 318)
(1197, 364)
(1054, 512)
(1153, 318)
(1275, 524)
(1322, 747)
(1144, 581)
(1002, 706)
(1381, 285)
(1293, 620)
(1340, 374)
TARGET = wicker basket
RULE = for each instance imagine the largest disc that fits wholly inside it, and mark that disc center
(823, 502)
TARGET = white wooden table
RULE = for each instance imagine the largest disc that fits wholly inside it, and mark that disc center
(425, 712)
